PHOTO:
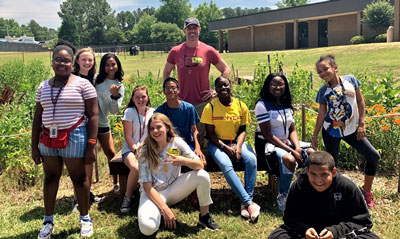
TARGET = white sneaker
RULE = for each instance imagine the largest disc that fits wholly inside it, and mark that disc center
(116, 188)
(47, 229)
(86, 228)
(254, 211)
(281, 200)
(243, 212)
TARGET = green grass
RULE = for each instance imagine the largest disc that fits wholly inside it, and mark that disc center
(21, 212)
(374, 58)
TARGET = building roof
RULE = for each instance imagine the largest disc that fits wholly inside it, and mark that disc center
(301, 13)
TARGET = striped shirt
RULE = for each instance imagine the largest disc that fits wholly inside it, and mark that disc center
(70, 106)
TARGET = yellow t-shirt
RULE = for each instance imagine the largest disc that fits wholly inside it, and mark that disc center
(226, 120)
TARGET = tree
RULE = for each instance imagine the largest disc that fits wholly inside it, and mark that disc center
(126, 20)
(379, 15)
(114, 35)
(38, 32)
(142, 30)
(166, 32)
(291, 3)
(238, 11)
(89, 15)
(69, 30)
(174, 11)
(206, 13)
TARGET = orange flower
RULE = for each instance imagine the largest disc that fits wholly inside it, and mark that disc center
(385, 127)
(397, 121)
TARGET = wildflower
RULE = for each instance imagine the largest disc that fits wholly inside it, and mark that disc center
(385, 127)
(16, 136)
(397, 121)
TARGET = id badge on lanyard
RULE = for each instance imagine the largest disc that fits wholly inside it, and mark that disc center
(53, 132)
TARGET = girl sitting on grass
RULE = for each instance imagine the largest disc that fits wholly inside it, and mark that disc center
(160, 159)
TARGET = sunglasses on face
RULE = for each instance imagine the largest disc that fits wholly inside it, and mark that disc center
(60, 60)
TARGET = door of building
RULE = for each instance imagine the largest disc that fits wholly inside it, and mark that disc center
(303, 34)
(323, 32)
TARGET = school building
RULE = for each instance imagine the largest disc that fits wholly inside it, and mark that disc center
(322, 24)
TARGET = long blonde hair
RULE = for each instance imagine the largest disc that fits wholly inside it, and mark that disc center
(92, 71)
(150, 152)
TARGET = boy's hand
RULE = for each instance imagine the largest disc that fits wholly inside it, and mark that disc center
(326, 234)
(314, 143)
(311, 234)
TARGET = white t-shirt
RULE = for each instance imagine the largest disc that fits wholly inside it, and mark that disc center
(276, 117)
(138, 126)
(166, 173)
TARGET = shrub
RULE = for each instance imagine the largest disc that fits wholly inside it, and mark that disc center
(381, 38)
(357, 40)
(379, 15)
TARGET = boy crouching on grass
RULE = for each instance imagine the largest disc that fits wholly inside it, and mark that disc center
(324, 204)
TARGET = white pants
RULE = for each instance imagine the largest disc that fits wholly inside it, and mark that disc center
(149, 214)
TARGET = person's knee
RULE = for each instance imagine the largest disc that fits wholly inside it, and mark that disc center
(289, 161)
(148, 228)
(50, 178)
(78, 180)
(203, 175)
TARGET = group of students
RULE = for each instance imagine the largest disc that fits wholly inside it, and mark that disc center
(158, 142)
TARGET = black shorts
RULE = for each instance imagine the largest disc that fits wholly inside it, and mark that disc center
(103, 130)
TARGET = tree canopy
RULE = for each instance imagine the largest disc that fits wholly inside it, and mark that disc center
(291, 3)
(379, 15)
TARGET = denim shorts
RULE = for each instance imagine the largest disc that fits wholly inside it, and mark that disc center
(76, 148)
(124, 155)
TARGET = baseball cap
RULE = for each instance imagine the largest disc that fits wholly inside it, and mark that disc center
(191, 21)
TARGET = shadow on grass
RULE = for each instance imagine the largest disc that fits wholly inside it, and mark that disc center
(111, 204)
(63, 207)
(56, 235)
(183, 230)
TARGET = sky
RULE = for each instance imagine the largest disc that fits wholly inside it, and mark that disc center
(44, 12)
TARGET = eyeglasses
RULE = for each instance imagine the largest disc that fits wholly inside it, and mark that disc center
(274, 85)
(170, 88)
(60, 60)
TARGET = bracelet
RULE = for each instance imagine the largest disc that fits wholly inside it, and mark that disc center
(314, 137)
(115, 97)
(92, 141)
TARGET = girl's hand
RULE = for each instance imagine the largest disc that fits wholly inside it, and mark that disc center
(175, 160)
(297, 155)
(114, 90)
(238, 153)
(361, 132)
(90, 155)
(36, 156)
(169, 218)
(230, 151)
(314, 143)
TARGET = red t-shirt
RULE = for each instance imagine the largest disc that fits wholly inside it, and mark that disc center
(193, 69)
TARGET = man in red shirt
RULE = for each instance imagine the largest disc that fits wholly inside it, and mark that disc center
(193, 59)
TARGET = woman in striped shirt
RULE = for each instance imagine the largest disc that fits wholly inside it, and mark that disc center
(65, 102)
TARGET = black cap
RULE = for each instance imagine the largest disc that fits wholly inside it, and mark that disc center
(191, 21)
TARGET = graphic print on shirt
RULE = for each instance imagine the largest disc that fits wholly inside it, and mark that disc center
(339, 112)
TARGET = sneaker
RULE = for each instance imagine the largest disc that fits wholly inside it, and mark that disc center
(281, 200)
(126, 205)
(207, 222)
(94, 199)
(75, 206)
(254, 211)
(369, 197)
(86, 228)
(116, 188)
(47, 229)
(243, 212)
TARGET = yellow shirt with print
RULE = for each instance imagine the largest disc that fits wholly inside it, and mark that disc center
(226, 119)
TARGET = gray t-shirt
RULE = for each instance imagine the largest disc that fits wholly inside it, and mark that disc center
(106, 104)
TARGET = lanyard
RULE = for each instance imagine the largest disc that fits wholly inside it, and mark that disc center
(55, 100)
(284, 119)
(141, 130)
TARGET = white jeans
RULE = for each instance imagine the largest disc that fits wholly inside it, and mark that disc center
(149, 214)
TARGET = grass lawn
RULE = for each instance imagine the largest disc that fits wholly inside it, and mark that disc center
(22, 211)
(374, 58)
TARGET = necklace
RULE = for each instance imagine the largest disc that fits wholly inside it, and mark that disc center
(284, 119)
(141, 130)
(55, 100)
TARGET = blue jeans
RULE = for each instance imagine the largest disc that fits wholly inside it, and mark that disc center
(285, 175)
(250, 173)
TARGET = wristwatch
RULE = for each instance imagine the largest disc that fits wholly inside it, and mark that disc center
(115, 97)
